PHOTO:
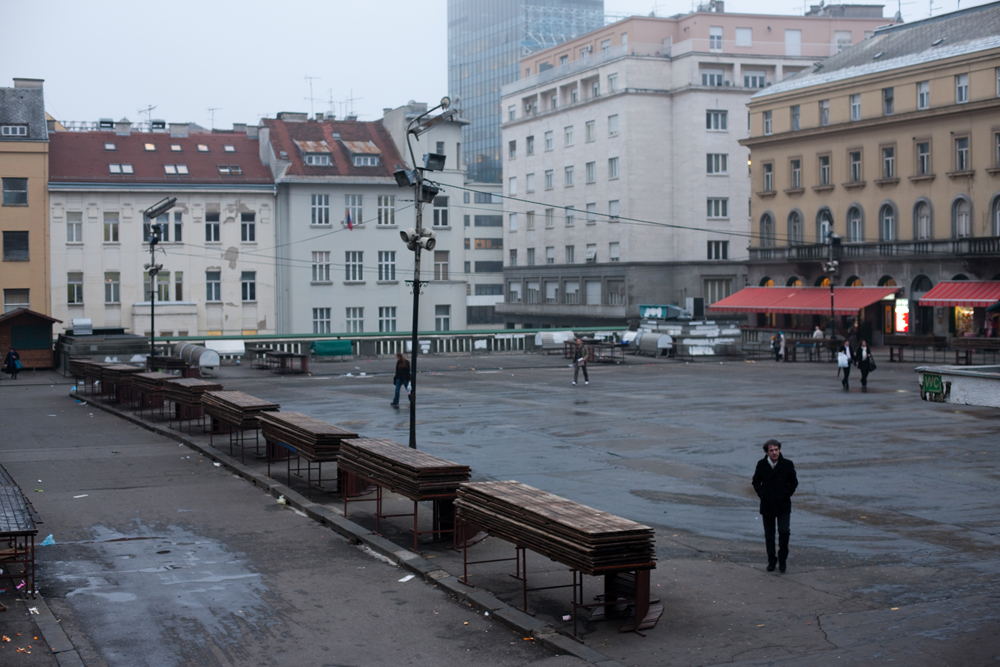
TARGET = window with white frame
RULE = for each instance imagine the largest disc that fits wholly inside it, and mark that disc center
(613, 208)
(796, 115)
(529, 183)
(824, 170)
(512, 222)
(15, 298)
(532, 288)
(531, 256)
(614, 251)
(714, 38)
(754, 79)
(570, 216)
(321, 320)
(591, 214)
(716, 120)
(178, 226)
(963, 219)
(551, 291)
(13, 130)
(529, 145)
(549, 178)
(550, 254)
(996, 149)
(768, 177)
(213, 286)
(825, 225)
(248, 227)
(856, 106)
(961, 88)
(178, 286)
(440, 265)
(548, 140)
(213, 228)
(717, 289)
(616, 293)
(590, 130)
(718, 163)
(767, 122)
(111, 227)
(612, 167)
(571, 291)
(387, 319)
(924, 95)
(718, 207)
(718, 249)
(595, 88)
(923, 215)
(888, 162)
(591, 172)
(513, 258)
(962, 154)
(591, 255)
(887, 223)
(321, 267)
(824, 112)
(888, 101)
(568, 176)
(568, 135)
(570, 254)
(248, 284)
(795, 169)
(711, 77)
(550, 218)
(512, 186)
(355, 320)
(855, 161)
(318, 159)
(320, 209)
(855, 226)
(511, 112)
(354, 268)
(386, 264)
(354, 209)
(74, 227)
(923, 158)
(366, 160)
(744, 37)
(513, 292)
(386, 209)
(74, 288)
(512, 149)
(612, 83)
(440, 211)
(529, 220)
(112, 287)
(613, 125)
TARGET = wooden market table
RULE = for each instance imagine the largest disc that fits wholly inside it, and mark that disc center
(303, 437)
(413, 474)
(238, 412)
(17, 538)
(116, 382)
(285, 362)
(186, 395)
(147, 388)
(588, 541)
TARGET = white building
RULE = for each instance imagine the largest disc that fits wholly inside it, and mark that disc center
(622, 150)
(217, 251)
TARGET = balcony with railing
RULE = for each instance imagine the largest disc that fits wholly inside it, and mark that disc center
(988, 245)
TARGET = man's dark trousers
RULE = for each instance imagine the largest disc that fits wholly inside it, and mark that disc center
(782, 520)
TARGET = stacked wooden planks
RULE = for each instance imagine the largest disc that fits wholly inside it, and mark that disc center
(408, 472)
(151, 383)
(314, 439)
(235, 408)
(585, 539)
(188, 391)
(119, 374)
(90, 369)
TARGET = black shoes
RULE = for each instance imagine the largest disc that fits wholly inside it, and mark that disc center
(770, 567)
(781, 566)
(864, 389)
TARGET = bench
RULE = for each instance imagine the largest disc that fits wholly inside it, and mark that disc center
(965, 347)
(898, 342)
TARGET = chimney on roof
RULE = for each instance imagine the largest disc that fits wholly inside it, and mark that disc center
(351, 117)
(123, 127)
(293, 116)
(28, 83)
(239, 127)
(51, 124)
(253, 131)
(179, 129)
(319, 116)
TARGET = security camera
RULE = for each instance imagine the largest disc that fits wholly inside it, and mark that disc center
(428, 239)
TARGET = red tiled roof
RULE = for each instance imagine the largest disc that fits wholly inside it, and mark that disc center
(971, 294)
(284, 135)
(80, 157)
(802, 300)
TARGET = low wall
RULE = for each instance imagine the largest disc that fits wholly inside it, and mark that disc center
(960, 385)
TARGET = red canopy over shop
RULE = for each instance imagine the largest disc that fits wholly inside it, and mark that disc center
(802, 300)
(980, 294)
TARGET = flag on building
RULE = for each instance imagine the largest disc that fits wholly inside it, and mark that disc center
(350, 225)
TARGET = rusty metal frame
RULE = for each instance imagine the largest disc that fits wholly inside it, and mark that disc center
(298, 469)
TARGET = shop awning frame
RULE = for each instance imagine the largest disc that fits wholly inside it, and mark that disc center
(967, 293)
(802, 300)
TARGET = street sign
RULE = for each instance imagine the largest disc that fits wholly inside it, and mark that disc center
(933, 384)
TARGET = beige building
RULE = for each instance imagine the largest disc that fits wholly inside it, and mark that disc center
(24, 175)
(894, 146)
(622, 159)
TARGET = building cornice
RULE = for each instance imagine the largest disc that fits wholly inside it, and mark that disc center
(71, 186)
(335, 180)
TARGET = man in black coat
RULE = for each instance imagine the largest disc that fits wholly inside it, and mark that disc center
(774, 481)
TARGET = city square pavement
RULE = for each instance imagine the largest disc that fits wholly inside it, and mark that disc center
(894, 547)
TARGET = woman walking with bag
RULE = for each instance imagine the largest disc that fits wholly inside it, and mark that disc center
(863, 358)
(844, 363)
(402, 376)
(13, 363)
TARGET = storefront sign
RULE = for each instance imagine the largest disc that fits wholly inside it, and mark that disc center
(902, 316)
(933, 384)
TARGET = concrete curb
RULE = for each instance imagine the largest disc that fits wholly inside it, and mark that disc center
(477, 598)
(52, 632)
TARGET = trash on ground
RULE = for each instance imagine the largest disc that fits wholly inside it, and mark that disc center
(48, 541)
(406, 578)
(82, 496)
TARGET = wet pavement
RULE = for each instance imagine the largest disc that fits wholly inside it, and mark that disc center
(894, 548)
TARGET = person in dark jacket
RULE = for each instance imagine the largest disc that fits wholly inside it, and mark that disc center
(774, 481)
(10, 362)
(402, 376)
(863, 360)
(580, 354)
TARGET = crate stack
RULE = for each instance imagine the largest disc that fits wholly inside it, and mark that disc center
(118, 374)
(188, 391)
(235, 408)
(314, 439)
(583, 538)
(408, 472)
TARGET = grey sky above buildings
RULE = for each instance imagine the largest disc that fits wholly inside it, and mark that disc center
(248, 59)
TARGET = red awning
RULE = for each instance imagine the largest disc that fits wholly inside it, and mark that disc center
(802, 300)
(980, 294)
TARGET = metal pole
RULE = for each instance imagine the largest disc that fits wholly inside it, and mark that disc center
(416, 311)
(152, 293)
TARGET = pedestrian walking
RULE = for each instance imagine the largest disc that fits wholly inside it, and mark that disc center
(580, 354)
(401, 378)
(774, 481)
(865, 363)
(12, 362)
(817, 332)
(778, 345)
(844, 362)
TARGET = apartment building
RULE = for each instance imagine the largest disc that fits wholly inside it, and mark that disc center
(217, 249)
(894, 147)
(626, 179)
(341, 264)
(24, 168)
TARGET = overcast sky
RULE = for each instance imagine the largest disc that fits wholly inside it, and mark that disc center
(250, 58)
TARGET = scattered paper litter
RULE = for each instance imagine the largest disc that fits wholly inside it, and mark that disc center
(218, 465)
(567, 617)
(83, 496)
(34, 610)
(48, 541)
(406, 578)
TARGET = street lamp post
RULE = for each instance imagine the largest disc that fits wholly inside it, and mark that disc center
(150, 214)
(417, 238)
(830, 268)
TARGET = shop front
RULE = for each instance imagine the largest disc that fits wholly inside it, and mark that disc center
(966, 304)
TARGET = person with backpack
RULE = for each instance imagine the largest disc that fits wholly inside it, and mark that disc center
(12, 362)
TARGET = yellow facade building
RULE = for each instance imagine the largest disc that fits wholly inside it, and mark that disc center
(24, 207)
(891, 150)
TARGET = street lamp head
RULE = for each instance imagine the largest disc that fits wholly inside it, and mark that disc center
(160, 207)
(445, 102)
(434, 161)
(428, 192)
(405, 178)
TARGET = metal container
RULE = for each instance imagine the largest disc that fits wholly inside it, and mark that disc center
(197, 355)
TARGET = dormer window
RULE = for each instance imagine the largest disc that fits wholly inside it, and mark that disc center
(318, 159)
(229, 148)
(150, 147)
(230, 170)
(176, 148)
(13, 130)
(366, 160)
(120, 168)
(202, 148)
(110, 147)
(176, 169)
(170, 169)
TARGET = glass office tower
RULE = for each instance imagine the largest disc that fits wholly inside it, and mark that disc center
(486, 39)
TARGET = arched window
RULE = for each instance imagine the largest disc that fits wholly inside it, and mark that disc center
(794, 281)
(795, 232)
(855, 225)
(995, 216)
(960, 276)
(823, 281)
(854, 281)
(886, 281)
(824, 225)
(766, 281)
(921, 284)
(887, 223)
(767, 231)
(923, 227)
(961, 218)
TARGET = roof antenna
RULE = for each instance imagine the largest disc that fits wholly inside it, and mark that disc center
(149, 114)
(312, 106)
(212, 111)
